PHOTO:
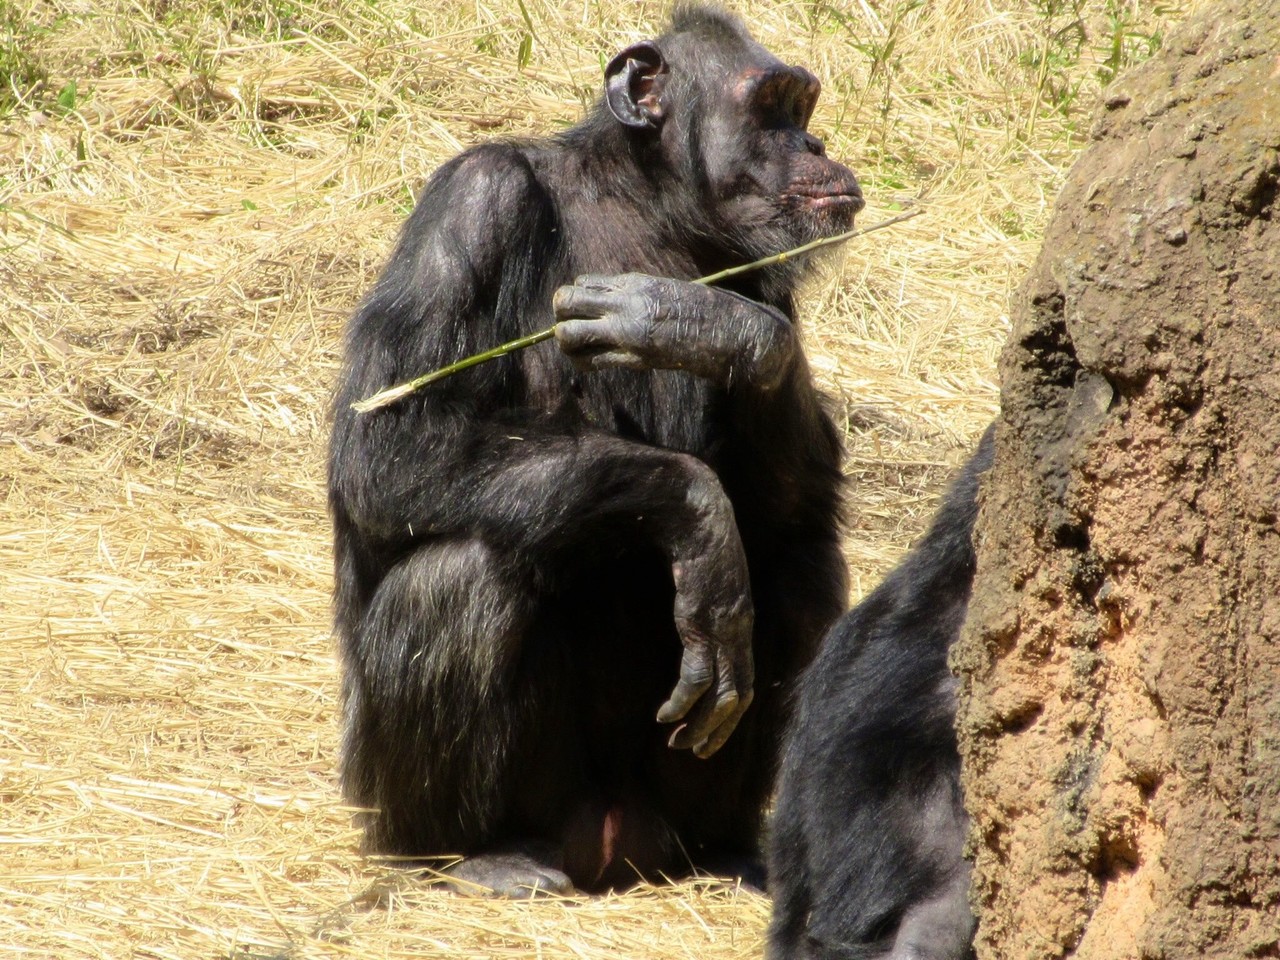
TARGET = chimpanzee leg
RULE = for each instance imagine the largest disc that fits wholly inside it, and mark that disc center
(447, 692)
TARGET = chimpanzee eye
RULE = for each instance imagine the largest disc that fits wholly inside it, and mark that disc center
(799, 112)
(783, 98)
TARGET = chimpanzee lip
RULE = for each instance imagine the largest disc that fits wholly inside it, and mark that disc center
(831, 198)
(825, 198)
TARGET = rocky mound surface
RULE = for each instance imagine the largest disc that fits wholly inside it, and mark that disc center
(1120, 715)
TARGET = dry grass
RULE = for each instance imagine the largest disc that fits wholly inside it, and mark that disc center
(180, 240)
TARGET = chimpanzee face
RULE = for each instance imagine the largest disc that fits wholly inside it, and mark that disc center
(763, 164)
(732, 123)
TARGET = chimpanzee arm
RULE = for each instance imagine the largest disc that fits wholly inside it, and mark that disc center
(645, 322)
(784, 438)
(466, 458)
(540, 496)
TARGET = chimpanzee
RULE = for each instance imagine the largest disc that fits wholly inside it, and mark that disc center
(532, 553)
(866, 850)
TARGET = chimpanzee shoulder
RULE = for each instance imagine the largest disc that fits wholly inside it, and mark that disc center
(475, 218)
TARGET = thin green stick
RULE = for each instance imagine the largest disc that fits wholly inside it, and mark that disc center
(392, 394)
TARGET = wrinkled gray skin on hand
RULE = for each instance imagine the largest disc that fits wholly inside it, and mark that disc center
(641, 322)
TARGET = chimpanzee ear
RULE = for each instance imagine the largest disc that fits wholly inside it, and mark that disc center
(634, 81)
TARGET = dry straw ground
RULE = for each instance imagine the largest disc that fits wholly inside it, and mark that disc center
(192, 197)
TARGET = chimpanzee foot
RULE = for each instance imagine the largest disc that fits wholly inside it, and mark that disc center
(516, 872)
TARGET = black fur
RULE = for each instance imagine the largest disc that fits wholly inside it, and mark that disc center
(866, 850)
(506, 539)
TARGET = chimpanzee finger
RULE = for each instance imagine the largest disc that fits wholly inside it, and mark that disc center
(593, 345)
(712, 709)
(721, 734)
(587, 297)
(697, 672)
(683, 699)
(699, 708)
(716, 717)
(703, 721)
(737, 676)
(581, 342)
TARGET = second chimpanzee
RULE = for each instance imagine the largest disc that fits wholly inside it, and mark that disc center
(531, 554)
(866, 853)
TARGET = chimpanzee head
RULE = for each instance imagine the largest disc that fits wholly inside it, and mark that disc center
(728, 122)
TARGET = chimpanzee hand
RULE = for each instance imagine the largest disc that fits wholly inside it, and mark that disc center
(716, 671)
(643, 322)
(710, 714)
(713, 613)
